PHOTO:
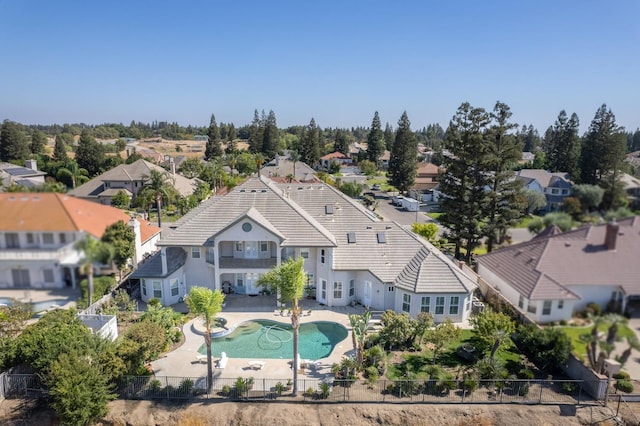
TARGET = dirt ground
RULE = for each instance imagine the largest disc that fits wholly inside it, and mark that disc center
(143, 413)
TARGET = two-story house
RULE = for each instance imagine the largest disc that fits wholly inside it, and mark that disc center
(130, 178)
(555, 186)
(229, 241)
(38, 233)
(28, 176)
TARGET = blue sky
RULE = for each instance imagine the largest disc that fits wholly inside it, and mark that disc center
(336, 61)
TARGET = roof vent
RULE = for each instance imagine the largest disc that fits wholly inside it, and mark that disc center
(369, 227)
(328, 209)
(300, 188)
(263, 190)
(243, 190)
(382, 238)
(567, 244)
(253, 190)
(388, 227)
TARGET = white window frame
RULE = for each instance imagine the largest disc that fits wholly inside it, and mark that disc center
(352, 288)
(264, 246)
(546, 307)
(322, 255)
(239, 246)
(310, 282)
(157, 289)
(532, 308)
(143, 285)
(47, 238)
(454, 307)
(323, 289)
(521, 302)
(560, 304)
(304, 253)
(425, 307)
(406, 302)
(240, 280)
(174, 287)
(337, 289)
(195, 252)
(439, 305)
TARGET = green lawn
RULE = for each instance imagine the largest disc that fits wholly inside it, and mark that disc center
(419, 362)
(579, 347)
(434, 216)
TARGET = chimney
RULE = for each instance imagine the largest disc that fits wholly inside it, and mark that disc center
(137, 255)
(32, 164)
(172, 166)
(611, 235)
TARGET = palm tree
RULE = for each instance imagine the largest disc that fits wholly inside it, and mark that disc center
(295, 157)
(157, 182)
(93, 251)
(289, 280)
(205, 303)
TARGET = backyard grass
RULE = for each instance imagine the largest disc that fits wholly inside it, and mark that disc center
(434, 216)
(418, 362)
(579, 347)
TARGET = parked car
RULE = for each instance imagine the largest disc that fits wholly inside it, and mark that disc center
(376, 187)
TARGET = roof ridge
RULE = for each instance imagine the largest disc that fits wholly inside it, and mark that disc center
(66, 211)
(300, 211)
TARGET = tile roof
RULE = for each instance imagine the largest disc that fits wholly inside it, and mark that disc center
(53, 212)
(547, 267)
(543, 177)
(135, 171)
(298, 213)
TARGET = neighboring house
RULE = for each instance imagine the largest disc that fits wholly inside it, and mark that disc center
(555, 274)
(129, 178)
(146, 153)
(555, 186)
(384, 159)
(527, 157)
(334, 157)
(281, 166)
(426, 177)
(632, 188)
(229, 241)
(27, 176)
(38, 233)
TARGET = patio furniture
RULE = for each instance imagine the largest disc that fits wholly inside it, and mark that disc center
(222, 362)
(201, 359)
(256, 365)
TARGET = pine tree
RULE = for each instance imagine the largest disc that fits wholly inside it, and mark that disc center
(562, 145)
(270, 138)
(389, 137)
(60, 149)
(463, 186)
(504, 151)
(232, 134)
(375, 140)
(89, 154)
(310, 144)
(13, 143)
(603, 154)
(256, 131)
(38, 142)
(213, 149)
(530, 138)
(404, 156)
(341, 142)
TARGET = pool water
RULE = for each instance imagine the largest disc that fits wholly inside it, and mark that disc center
(272, 339)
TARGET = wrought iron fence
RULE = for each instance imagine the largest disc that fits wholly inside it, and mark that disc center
(313, 390)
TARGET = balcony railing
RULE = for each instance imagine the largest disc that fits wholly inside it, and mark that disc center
(37, 253)
(236, 263)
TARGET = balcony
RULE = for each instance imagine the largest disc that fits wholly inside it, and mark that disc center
(240, 263)
(33, 254)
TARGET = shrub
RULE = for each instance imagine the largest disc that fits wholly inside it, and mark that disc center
(623, 375)
(226, 390)
(470, 384)
(186, 386)
(563, 322)
(624, 386)
(310, 391)
(280, 387)
(525, 373)
(594, 309)
(155, 386)
(325, 389)
(569, 387)
(524, 389)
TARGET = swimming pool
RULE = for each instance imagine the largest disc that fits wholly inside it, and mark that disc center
(37, 306)
(272, 339)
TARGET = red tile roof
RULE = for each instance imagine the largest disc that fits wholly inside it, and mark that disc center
(52, 212)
